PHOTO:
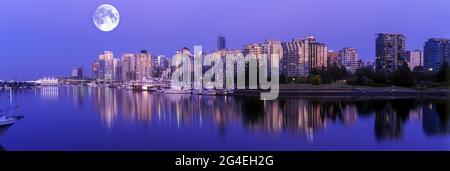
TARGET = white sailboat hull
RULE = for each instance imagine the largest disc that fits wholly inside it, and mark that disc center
(7, 121)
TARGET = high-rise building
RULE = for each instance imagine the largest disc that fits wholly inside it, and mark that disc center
(180, 56)
(348, 57)
(143, 65)
(361, 64)
(160, 64)
(161, 61)
(318, 54)
(128, 67)
(254, 50)
(414, 58)
(96, 70)
(333, 57)
(106, 62)
(221, 42)
(390, 50)
(78, 72)
(302, 55)
(273, 49)
(295, 58)
(117, 70)
(436, 51)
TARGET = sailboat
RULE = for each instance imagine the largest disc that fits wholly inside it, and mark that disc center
(8, 119)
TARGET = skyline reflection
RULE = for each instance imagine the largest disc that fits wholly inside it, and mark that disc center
(292, 116)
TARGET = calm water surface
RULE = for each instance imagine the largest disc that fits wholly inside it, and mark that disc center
(83, 118)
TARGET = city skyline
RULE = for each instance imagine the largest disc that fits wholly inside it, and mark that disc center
(53, 48)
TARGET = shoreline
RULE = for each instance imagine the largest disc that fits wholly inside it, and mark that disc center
(307, 91)
(354, 92)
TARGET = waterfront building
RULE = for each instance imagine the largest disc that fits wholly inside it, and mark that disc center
(221, 43)
(179, 57)
(117, 70)
(273, 49)
(161, 61)
(177, 60)
(348, 58)
(254, 51)
(106, 65)
(143, 65)
(128, 67)
(302, 55)
(361, 63)
(160, 64)
(390, 50)
(436, 51)
(96, 70)
(78, 72)
(48, 81)
(318, 54)
(333, 57)
(414, 58)
(295, 55)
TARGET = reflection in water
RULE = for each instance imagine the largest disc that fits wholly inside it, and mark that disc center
(388, 124)
(438, 122)
(50, 93)
(294, 116)
(78, 95)
(106, 101)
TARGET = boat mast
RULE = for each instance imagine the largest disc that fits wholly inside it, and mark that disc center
(10, 98)
(10, 102)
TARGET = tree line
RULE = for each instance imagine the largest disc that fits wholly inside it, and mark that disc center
(367, 76)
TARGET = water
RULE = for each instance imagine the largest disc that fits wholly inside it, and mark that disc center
(83, 118)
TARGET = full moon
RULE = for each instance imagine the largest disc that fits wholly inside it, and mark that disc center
(106, 17)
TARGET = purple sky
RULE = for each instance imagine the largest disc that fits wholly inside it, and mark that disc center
(49, 37)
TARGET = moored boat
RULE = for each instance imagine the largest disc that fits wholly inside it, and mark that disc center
(210, 92)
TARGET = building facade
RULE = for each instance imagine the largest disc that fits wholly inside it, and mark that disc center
(143, 65)
(390, 50)
(414, 58)
(348, 58)
(302, 55)
(96, 70)
(318, 54)
(106, 66)
(295, 54)
(333, 57)
(274, 52)
(78, 72)
(128, 67)
(436, 51)
(221, 42)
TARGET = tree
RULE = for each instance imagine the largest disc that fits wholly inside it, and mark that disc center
(380, 78)
(316, 80)
(283, 79)
(404, 77)
(361, 76)
(443, 74)
(419, 69)
(329, 74)
(422, 76)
